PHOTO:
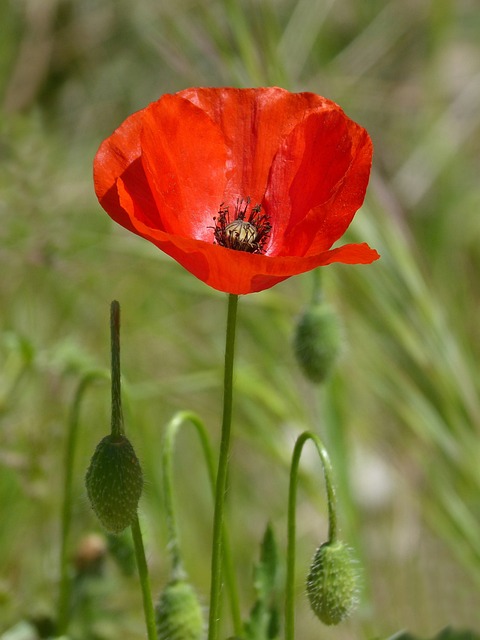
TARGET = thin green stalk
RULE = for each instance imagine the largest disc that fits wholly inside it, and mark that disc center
(63, 611)
(148, 609)
(173, 544)
(118, 430)
(117, 414)
(291, 525)
(180, 418)
(317, 289)
(222, 472)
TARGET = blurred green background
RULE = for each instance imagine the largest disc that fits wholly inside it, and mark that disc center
(401, 415)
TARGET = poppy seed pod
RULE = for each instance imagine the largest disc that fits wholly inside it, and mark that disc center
(318, 341)
(178, 613)
(114, 483)
(333, 583)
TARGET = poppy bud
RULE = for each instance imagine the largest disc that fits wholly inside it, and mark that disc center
(333, 582)
(114, 483)
(179, 615)
(317, 341)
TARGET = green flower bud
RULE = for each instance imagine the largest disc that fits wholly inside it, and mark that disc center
(318, 341)
(114, 483)
(179, 615)
(333, 582)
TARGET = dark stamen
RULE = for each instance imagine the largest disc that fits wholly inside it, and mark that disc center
(243, 232)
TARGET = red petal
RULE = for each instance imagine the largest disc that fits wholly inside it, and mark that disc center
(185, 158)
(116, 153)
(238, 272)
(119, 155)
(317, 183)
(253, 122)
(278, 269)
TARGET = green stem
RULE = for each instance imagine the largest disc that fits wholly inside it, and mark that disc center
(317, 290)
(118, 430)
(222, 472)
(117, 414)
(173, 544)
(180, 418)
(291, 526)
(148, 609)
(63, 612)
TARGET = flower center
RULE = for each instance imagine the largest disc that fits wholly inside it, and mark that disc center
(242, 231)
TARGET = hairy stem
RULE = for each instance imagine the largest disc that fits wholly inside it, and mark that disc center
(148, 609)
(179, 419)
(291, 526)
(222, 472)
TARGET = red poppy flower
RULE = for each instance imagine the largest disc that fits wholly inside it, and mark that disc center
(243, 187)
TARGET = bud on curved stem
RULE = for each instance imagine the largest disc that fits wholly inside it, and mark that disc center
(333, 582)
(179, 419)
(318, 335)
(179, 614)
(291, 527)
(318, 341)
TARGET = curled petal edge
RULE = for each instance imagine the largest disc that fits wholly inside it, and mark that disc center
(238, 272)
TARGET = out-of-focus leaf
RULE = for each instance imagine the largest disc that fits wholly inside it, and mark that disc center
(263, 623)
(446, 634)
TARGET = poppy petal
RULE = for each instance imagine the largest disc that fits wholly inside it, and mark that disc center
(281, 268)
(119, 155)
(323, 166)
(238, 272)
(184, 157)
(253, 122)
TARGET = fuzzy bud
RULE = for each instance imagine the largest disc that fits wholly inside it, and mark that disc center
(179, 614)
(333, 582)
(318, 341)
(114, 483)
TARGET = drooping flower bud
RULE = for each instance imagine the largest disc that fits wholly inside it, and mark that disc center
(317, 341)
(333, 582)
(114, 483)
(179, 614)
